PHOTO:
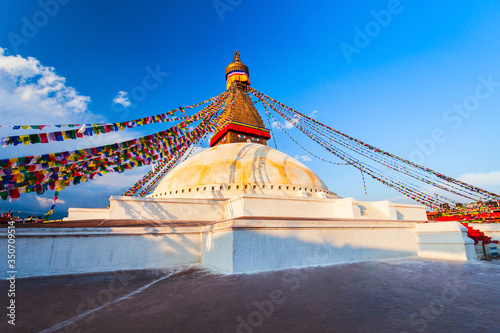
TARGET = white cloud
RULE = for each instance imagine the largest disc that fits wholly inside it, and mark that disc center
(313, 114)
(287, 124)
(33, 93)
(482, 179)
(290, 124)
(122, 99)
(304, 158)
(45, 202)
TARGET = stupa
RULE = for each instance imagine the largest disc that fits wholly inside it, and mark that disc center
(240, 161)
(238, 207)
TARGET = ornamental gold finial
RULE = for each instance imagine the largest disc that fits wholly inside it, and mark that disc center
(237, 71)
(236, 57)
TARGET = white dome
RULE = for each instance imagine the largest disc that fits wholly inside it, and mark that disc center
(232, 169)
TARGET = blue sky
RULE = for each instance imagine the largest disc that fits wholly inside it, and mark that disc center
(385, 72)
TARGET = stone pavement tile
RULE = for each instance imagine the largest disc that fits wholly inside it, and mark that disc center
(410, 295)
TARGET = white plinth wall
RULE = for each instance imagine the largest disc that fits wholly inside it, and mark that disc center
(242, 246)
(219, 209)
(242, 234)
(58, 251)
(444, 240)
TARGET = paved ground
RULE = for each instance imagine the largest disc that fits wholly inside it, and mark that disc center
(383, 296)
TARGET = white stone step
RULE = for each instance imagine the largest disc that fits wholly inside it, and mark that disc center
(370, 212)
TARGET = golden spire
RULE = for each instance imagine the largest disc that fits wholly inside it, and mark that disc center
(238, 69)
(246, 125)
(236, 57)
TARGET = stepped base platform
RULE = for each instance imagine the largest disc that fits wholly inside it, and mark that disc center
(220, 208)
(232, 238)
(241, 244)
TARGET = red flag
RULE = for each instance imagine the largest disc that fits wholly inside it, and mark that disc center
(14, 193)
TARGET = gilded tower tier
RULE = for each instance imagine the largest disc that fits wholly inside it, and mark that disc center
(246, 124)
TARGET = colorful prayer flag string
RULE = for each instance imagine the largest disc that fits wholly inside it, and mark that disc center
(51, 210)
(328, 137)
(86, 130)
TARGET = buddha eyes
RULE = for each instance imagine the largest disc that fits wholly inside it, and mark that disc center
(245, 137)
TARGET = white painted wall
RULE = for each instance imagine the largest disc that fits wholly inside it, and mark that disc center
(257, 250)
(217, 250)
(197, 209)
(88, 214)
(444, 240)
(347, 208)
(282, 207)
(166, 209)
(311, 207)
(48, 251)
(266, 245)
(409, 212)
(382, 209)
(233, 246)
